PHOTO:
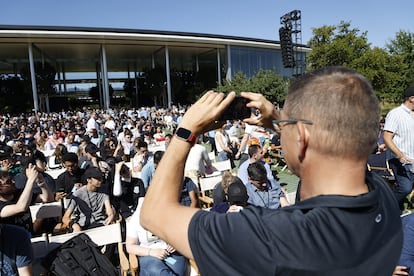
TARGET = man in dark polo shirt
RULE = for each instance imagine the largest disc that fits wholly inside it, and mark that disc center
(346, 221)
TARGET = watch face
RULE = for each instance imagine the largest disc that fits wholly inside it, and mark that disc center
(183, 133)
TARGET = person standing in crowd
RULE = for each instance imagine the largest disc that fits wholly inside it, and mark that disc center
(221, 140)
(399, 139)
(92, 124)
(338, 213)
(198, 162)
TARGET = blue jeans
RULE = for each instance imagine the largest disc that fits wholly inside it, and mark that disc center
(151, 266)
(404, 179)
(222, 156)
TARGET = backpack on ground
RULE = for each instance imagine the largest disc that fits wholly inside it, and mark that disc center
(79, 256)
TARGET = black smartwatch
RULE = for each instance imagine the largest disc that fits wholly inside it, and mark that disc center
(185, 135)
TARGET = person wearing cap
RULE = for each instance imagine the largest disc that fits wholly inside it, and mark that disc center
(93, 208)
(399, 139)
(329, 126)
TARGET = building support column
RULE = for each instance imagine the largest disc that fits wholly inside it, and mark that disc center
(228, 73)
(99, 83)
(105, 78)
(33, 79)
(65, 87)
(167, 72)
(218, 67)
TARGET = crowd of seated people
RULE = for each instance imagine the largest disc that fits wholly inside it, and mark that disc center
(104, 160)
(107, 166)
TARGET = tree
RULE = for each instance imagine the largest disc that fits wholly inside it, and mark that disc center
(266, 82)
(338, 45)
(13, 97)
(45, 77)
(403, 47)
(341, 45)
(94, 93)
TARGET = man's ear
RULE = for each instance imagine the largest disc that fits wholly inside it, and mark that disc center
(302, 139)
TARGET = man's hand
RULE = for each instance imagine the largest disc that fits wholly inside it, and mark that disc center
(118, 166)
(267, 111)
(204, 114)
(401, 270)
(31, 172)
(405, 160)
(158, 253)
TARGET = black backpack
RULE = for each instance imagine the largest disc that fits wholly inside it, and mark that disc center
(79, 256)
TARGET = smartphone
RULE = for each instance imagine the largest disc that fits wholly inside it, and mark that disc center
(237, 110)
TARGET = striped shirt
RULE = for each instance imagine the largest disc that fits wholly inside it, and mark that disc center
(400, 122)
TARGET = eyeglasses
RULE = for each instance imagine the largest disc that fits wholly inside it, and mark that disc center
(277, 123)
(7, 182)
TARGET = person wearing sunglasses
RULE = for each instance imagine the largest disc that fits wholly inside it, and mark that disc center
(346, 220)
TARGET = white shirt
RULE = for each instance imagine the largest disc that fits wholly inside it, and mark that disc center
(110, 124)
(135, 230)
(196, 159)
(400, 121)
(91, 124)
(224, 139)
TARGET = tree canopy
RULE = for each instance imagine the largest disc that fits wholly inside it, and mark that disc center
(390, 70)
(266, 82)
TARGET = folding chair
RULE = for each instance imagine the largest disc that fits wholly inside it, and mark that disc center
(220, 166)
(377, 163)
(207, 185)
(212, 156)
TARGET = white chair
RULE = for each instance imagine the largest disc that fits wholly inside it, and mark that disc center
(220, 166)
(207, 184)
(46, 210)
(212, 156)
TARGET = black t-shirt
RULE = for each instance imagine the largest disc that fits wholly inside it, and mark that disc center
(23, 219)
(66, 181)
(127, 202)
(324, 235)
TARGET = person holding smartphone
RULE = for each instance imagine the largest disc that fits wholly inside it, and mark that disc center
(346, 220)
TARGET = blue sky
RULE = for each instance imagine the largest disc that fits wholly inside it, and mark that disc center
(256, 19)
